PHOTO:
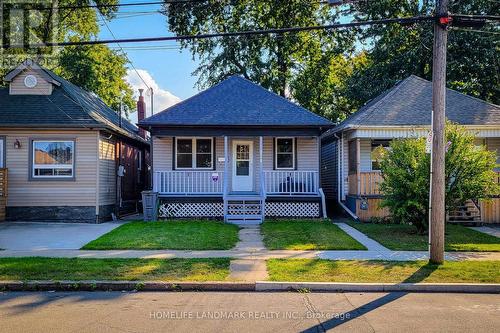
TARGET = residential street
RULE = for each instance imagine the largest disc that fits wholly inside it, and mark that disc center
(247, 312)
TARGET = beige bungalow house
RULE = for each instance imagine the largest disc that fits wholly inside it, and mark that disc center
(350, 171)
(237, 151)
(64, 154)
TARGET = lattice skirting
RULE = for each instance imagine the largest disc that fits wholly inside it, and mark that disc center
(216, 209)
(292, 209)
(191, 209)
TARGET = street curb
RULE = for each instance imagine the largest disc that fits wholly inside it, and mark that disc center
(123, 286)
(259, 286)
(379, 287)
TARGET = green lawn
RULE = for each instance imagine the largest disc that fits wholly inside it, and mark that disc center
(404, 237)
(114, 269)
(173, 235)
(307, 235)
(318, 270)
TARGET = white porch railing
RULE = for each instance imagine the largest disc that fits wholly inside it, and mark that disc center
(291, 182)
(189, 182)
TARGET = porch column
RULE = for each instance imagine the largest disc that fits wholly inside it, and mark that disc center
(261, 171)
(226, 165)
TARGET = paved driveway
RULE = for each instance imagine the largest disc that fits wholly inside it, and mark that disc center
(43, 236)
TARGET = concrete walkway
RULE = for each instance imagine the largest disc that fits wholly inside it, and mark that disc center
(493, 231)
(251, 243)
(369, 243)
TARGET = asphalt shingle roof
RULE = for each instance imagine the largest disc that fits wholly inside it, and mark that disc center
(236, 102)
(67, 106)
(409, 103)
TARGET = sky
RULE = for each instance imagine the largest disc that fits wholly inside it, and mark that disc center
(167, 71)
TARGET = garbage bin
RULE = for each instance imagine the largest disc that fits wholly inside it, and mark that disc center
(150, 205)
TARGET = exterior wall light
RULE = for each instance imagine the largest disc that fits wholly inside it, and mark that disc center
(17, 144)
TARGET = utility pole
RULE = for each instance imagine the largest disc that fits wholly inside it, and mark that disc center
(437, 209)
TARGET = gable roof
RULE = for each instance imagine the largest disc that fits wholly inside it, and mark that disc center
(236, 102)
(67, 106)
(409, 103)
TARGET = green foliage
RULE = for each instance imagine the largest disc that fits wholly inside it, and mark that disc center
(98, 69)
(95, 68)
(270, 60)
(322, 86)
(400, 50)
(405, 169)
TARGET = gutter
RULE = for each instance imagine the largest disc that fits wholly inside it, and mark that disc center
(339, 175)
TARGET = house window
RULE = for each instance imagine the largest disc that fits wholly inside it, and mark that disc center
(2, 152)
(285, 153)
(53, 158)
(378, 147)
(194, 153)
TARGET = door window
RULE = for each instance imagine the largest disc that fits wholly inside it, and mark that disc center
(242, 160)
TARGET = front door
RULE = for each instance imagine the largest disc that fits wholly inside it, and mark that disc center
(242, 166)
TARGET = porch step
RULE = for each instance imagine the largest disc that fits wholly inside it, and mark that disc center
(244, 209)
(469, 212)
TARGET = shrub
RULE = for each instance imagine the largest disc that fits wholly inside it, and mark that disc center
(406, 168)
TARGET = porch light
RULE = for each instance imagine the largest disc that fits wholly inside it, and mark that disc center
(17, 144)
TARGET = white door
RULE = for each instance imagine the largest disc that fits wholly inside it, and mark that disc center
(242, 166)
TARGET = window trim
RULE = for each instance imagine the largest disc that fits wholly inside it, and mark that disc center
(294, 156)
(32, 168)
(193, 152)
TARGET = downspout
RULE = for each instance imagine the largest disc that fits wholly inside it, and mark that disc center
(339, 175)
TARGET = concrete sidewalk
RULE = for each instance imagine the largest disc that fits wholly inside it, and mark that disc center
(260, 255)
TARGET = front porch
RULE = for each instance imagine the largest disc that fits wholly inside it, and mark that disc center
(364, 196)
(243, 179)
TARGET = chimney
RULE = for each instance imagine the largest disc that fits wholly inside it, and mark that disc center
(141, 112)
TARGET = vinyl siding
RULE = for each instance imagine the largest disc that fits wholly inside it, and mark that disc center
(78, 192)
(17, 86)
(307, 155)
(493, 144)
(107, 171)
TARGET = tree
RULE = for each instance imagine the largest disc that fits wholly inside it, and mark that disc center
(322, 85)
(400, 50)
(95, 68)
(405, 170)
(270, 60)
(100, 70)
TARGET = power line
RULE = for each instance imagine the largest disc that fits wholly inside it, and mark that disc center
(404, 20)
(167, 2)
(124, 53)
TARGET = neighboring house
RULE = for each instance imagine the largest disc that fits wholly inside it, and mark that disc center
(350, 171)
(237, 151)
(63, 147)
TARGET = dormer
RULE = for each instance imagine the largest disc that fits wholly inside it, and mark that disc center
(30, 79)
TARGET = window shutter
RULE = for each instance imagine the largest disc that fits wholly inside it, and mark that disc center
(295, 155)
(274, 153)
(214, 155)
(174, 153)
